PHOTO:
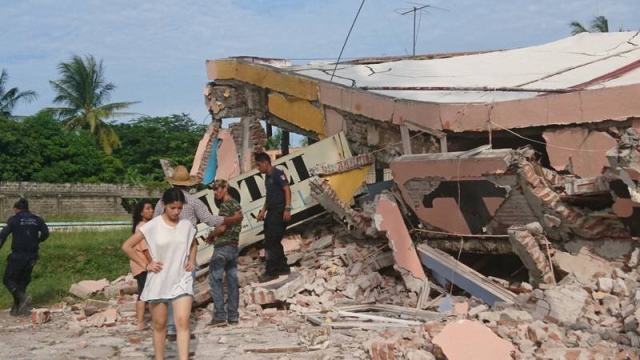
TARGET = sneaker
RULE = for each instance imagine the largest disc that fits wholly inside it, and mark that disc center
(173, 337)
(24, 302)
(232, 322)
(218, 323)
(267, 277)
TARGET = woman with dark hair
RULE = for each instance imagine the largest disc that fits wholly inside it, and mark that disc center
(142, 212)
(169, 283)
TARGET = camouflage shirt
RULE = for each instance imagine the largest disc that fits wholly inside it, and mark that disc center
(232, 235)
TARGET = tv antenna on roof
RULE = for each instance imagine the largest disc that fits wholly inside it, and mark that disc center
(415, 9)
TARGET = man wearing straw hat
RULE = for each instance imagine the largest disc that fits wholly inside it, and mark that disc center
(193, 210)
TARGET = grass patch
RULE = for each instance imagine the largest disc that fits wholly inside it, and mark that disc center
(66, 258)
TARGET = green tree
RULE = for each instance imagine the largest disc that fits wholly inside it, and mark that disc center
(85, 92)
(38, 149)
(146, 140)
(598, 24)
(274, 142)
(11, 97)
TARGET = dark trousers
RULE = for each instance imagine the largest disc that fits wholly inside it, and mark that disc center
(274, 227)
(17, 275)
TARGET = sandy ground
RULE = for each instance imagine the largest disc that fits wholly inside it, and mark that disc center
(62, 338)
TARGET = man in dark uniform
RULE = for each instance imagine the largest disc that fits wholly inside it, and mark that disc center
(28, 232)
(276, 213)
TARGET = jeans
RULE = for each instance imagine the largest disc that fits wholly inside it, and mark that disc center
(171, 325)
(224, 260)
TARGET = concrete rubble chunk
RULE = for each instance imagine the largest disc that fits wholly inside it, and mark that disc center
(466, 339)
(563, 303)
(531, 246)
(388, 219)
(584, 266)
(84, 289)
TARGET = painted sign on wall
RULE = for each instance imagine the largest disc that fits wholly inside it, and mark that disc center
(249, 190)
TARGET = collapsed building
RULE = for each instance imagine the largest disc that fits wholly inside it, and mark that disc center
(530, 153)
(475, 144)
(435, 170)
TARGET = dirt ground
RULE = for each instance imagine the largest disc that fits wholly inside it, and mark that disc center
(63, 338)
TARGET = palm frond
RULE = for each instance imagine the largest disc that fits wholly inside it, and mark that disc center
(577, 28)
(599, 24)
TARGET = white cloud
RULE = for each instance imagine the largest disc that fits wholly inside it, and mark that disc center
(155, 52)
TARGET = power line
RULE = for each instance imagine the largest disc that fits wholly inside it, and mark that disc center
(345, 40)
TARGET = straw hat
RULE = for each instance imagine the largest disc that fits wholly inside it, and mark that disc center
(181, 177)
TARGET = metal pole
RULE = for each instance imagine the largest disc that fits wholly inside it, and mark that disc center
(414, 30)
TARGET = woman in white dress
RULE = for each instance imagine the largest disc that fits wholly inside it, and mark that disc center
(169, 282)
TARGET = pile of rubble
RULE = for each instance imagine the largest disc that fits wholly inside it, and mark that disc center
(349, 288)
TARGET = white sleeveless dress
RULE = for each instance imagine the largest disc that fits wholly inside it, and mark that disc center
(170, 245)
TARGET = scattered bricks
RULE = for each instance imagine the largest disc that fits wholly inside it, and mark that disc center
(86, 288)
(127, 307)
(630, 323)
(294, 285)
(633, 259)
(381, 349)
(270, 312)
(537, 332)
(117, 289)
(310, 336)
(245, 260)
(321, 243)
(416, 354)
(134, 339)
(619, 287)
(517, 316)
(262, 296)
(96, 320)
(565, 303)
(605, 284)
(110, 317)
(353, 291)
(90, 310)
(478, 309)
(40, 316)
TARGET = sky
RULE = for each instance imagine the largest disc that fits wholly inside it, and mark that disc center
(155, 51)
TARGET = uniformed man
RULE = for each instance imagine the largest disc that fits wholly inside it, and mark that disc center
(28, 232)
(276, 213)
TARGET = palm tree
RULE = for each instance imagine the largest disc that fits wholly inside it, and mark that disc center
(9, 99)
(598, 24)
(83, 89)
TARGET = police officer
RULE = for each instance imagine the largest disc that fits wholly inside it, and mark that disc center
(276, 213)
(28, 232)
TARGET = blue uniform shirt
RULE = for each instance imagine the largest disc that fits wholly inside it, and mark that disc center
(28, 232)
(274, 183)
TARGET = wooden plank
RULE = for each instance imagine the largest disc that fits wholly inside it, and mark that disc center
(406, 139)
(378, 318)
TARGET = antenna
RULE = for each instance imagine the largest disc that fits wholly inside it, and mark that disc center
(414, 9)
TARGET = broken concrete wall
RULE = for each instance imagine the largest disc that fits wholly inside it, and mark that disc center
(578, 150)
(257, 140)
(450, 192)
